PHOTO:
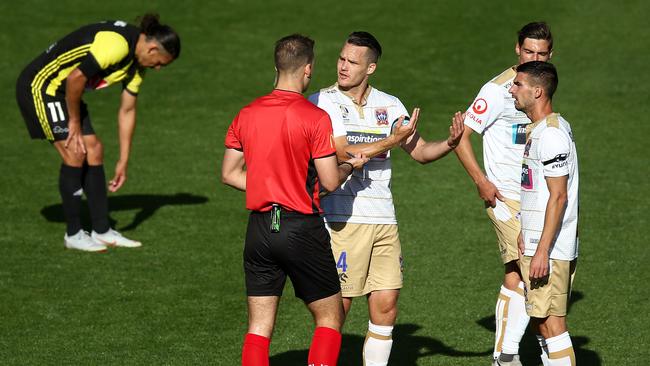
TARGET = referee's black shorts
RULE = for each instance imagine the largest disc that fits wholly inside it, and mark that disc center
(46, 116)
(301, 250)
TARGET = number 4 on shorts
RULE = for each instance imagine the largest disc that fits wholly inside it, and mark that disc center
(342, 262)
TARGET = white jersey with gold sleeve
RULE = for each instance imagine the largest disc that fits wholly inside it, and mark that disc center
(550, 152)
(365, 197)
(493, 115)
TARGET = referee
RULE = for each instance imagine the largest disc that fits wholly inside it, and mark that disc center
(49, 93)
(279, 150)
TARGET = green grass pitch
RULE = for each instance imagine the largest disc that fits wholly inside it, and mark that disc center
(180, 299)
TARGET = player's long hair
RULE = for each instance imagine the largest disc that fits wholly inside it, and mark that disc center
(150, 26)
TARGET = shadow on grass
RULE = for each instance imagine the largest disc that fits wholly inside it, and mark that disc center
(147, 204)
(406, 349)
(529, 350)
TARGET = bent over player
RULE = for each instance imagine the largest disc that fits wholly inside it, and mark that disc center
(549, 210)
(279, 150)
(502, 127)
(360, 214)
(49, 93)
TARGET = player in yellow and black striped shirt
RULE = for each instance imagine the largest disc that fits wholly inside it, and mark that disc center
(49, 93)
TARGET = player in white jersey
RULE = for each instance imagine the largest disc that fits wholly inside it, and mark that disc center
(360, 215)
(549, 209)
(502, 127)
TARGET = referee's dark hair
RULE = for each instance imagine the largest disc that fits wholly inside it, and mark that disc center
(150, 26)
(541, 73)
(365, 39)
(535, 30)
(293, 52)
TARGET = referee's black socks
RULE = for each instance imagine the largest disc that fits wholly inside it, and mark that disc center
(71, 191)
(94, 184)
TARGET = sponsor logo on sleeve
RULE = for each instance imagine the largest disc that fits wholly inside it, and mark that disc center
(479, 106)
(381, 114)
(559, 161)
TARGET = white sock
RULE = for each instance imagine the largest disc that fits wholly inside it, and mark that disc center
(560, 350)
(376, 348)
(542, 345)
(517, 321)
(511, 321)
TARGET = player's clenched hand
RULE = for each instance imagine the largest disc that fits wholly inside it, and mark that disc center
(401, 131)
(539, 266)
(119, 178)
(456, 130)
(358, 160)
(75, 139)
(489, 192)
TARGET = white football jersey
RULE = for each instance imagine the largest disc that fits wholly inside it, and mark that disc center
(550, 152)
(493, 115)
(365, 197)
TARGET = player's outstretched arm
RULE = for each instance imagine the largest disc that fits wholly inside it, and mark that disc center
(331, 174)
(233, 169)
(126, 127)
(557, 187)
(426, 152)
(465, 153)
(399, 136)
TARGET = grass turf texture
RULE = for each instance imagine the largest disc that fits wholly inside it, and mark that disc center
(180, 298)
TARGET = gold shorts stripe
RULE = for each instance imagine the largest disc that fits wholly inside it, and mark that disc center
(40, 78)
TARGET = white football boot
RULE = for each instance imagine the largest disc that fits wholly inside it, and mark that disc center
(112, 238)
(83, 241)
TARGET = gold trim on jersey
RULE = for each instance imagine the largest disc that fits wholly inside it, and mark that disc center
(506, 75)
(552, 120)
(43, 75)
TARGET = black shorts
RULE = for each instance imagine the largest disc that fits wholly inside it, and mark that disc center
(301, 250)
(46, 116)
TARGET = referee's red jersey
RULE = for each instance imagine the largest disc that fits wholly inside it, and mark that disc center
(281, 134)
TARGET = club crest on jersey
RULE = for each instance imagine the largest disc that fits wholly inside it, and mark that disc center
(381, 114)
(345, 113)
(527, 148)
(479, 106)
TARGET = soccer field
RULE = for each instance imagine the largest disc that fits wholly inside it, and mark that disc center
(180, 300)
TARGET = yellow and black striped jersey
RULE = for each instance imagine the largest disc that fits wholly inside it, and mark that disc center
(104, 52)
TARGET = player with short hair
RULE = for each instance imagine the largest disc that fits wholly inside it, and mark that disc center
(279, 150)
(49, 93)
(502, 127)
(360, 214)
(549, 210)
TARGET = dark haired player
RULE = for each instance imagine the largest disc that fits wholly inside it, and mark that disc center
(49, 93)
(360, 214)
(548, 242)
(279, 150)
(502, 127)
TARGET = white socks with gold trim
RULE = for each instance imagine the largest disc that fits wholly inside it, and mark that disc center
(376, 348)
(560, 350)
(511, 320)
